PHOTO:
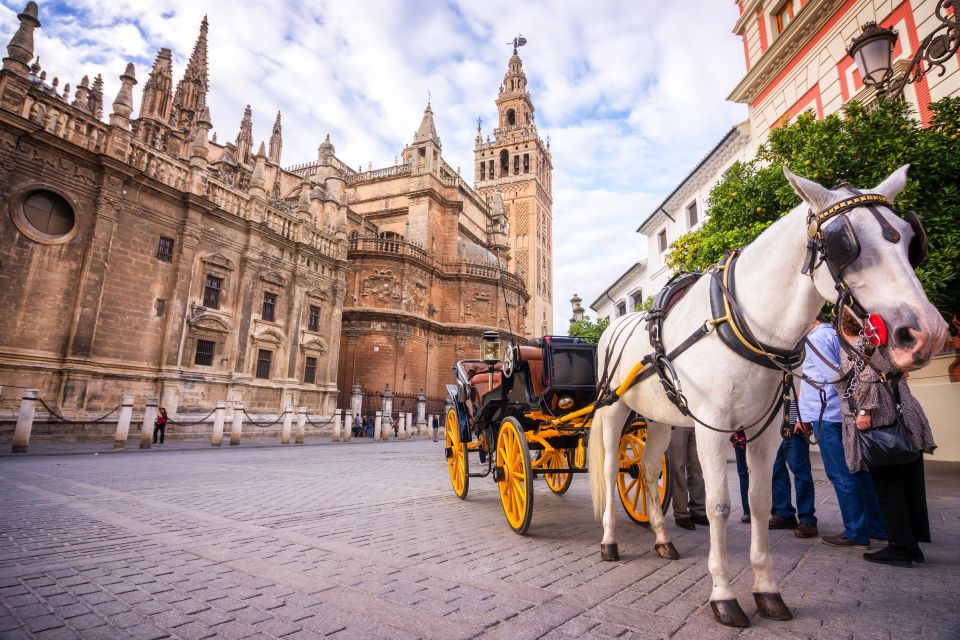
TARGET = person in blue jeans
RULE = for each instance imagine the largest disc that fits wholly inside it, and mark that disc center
(856, 496)
(794, 453)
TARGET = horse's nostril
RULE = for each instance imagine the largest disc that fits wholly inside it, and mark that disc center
(903, 337)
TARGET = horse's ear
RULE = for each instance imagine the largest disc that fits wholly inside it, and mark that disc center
(815, 195)
(893, 185)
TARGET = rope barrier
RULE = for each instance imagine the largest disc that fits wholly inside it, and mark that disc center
(60, 418)
(262, 425)
(192, 424)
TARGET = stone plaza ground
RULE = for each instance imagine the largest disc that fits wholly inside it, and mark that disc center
(367, 540)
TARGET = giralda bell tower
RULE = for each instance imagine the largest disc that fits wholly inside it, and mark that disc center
(517, 163)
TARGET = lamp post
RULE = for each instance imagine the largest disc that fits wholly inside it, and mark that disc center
(873, 52)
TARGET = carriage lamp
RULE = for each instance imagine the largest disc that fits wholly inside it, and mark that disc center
(490, 347)
(872, 50)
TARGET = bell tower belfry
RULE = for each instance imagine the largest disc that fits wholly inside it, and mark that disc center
(517, 164)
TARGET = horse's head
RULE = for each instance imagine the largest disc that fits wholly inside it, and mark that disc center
(873, 251)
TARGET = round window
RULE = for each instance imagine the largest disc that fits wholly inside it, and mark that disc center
(48, 213)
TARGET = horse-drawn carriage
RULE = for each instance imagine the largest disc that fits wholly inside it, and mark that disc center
(527, 414)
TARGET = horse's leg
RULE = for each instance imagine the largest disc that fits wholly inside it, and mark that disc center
(760, 455)
(613, 418)
(712, 449)
(658, 438)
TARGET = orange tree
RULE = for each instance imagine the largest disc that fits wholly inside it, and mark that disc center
(862, 147)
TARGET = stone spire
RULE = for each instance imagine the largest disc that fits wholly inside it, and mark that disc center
(276, 141)
(578, 310)
(95, 99)
(200, 148)
(123, 103)
(325, 152)
(427, 131)
(81, 99)
(20, 49)
(258, 181)
(191, 95)
(245, 137)
(157, 91)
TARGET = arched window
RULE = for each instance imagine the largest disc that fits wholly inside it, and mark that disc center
(511, 117)
(483, 170)
(504, 163)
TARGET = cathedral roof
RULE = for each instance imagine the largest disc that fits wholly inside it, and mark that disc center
(427, 131)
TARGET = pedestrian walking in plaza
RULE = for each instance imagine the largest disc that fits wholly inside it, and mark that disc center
(857, 499)
(160, 425)
(794, 453)
(357, 426)
(739, 442)
(368, 425)
(688, 493)
(900, 488)
(436, 427)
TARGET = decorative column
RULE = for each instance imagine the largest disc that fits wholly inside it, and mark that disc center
(421, 413)
(347, 425)
(356, 399)
(377, 425)
(146, 427)
(287, 422)
(402, 428)
(21, 435)
(411, 429)
(387, 411)
(337, 419)
(301, 425)
(237, 428)
(123, 423)
(218, 415)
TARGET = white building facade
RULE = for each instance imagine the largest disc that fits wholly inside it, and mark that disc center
(624, 295)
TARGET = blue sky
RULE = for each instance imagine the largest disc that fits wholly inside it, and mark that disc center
(631, 94)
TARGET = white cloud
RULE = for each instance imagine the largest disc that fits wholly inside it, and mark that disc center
(632, 95)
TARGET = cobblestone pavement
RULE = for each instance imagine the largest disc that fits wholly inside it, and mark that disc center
(366, 540)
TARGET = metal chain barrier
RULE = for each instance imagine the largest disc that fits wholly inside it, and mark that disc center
(263, 425)
(60, 418)
(323, 424)
(192, 424)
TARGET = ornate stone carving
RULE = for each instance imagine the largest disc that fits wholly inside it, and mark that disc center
(381, 285)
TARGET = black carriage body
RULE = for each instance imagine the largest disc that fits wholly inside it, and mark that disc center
(552, 371)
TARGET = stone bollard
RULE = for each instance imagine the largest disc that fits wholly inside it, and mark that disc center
(149, 419)
(218, 418)
(21, 434)
(411, 427)
(237, 429)
(123, 423)
(337, 419)
(402, 427)
(377, 425)
(287, 425)
(421, 413)
(301, 425)
(347, 425)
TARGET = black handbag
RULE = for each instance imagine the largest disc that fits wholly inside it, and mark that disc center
(887, 445)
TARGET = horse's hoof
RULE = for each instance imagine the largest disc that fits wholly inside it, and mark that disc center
(667, 551)
(729, 613)
(771, 605)
(609, 552)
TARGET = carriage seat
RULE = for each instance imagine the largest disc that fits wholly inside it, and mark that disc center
(533, 356)
(476, 373)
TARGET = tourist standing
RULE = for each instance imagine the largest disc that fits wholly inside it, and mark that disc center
(794, 453)
(160, 425)
(688, 493)
(436, 426)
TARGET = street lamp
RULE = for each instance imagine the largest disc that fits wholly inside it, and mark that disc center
(490, 353)
(873, 51)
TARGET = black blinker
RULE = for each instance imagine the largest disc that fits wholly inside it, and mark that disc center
(917, 251)
(840, 244)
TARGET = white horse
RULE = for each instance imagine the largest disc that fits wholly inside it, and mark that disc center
(727, 391)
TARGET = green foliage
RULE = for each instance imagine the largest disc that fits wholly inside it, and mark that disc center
(589, 331)
(862, 147)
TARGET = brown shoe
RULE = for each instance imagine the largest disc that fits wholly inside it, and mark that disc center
(776, 522)
(685, 523)
(840, 541)
(805, 530)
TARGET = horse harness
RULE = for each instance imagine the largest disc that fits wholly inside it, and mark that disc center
(835, 244)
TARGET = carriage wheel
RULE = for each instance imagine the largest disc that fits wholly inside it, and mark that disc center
(631, 484)
(514, 475)
(456, 451)
(557, 459)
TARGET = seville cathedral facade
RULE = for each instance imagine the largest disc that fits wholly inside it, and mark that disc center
(139, 256)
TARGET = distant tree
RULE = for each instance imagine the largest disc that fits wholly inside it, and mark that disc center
(859, 146)
(589, 331)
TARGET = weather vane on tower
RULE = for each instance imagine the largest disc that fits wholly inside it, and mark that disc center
(519, 41)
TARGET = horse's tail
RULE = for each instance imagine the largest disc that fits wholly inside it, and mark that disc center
(595, 455)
